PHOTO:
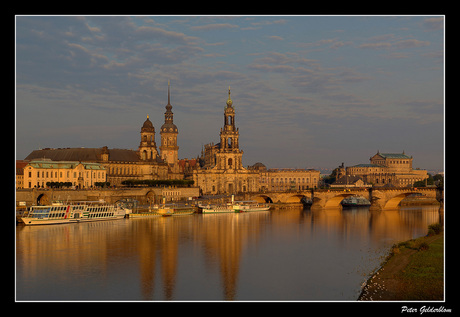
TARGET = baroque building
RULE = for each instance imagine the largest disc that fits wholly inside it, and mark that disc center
(219, 170)
(388, 169)
(223, 171)
(123, 164)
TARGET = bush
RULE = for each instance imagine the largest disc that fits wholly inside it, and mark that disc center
(423, 246)
(160, 182)
(435, 228)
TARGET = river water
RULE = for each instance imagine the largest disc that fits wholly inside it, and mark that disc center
(295, 254)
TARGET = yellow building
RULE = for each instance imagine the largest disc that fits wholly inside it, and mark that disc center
(223, 171)
(388, 169)
(219, 170)
(289, 179)
(38, 173)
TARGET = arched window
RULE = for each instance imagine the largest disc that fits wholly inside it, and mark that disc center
(229, 142)
(230, 162)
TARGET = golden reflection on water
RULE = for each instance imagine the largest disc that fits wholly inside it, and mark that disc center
(141, 259)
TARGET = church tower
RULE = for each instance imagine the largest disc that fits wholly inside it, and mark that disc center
(168, 148)
(147, 147)
(229, 155)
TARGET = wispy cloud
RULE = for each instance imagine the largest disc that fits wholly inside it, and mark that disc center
(403, 44)
(434, 24)
(213, 27)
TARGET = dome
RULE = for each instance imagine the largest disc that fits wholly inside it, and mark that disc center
(147, 126)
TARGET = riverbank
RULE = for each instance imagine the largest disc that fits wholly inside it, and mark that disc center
(414, 270)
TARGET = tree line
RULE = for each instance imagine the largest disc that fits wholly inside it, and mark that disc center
(159, 182)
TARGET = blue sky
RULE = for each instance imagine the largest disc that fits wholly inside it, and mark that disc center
(309, 91)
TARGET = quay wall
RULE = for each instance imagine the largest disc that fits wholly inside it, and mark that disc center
(143, 195)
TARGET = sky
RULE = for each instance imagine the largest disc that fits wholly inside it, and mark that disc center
(308, 91)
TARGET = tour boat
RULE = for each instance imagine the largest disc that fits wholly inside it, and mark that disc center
(73, 213)
(248, 206)
(235, 206)
(215, 209)
(164, 211)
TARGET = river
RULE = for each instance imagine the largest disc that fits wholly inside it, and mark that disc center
(287, 255)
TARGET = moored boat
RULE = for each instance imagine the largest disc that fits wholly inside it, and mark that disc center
(164, 211)
(248, 206)
(72, 213)
(235, 206)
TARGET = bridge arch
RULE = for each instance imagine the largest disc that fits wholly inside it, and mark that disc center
(334, 202)
(394, 201)
(263, 199)
(295, 199)
(43, 199)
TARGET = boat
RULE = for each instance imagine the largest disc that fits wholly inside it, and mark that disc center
(164, 211)
(355, 202)
(248, 206)
(235, 206)
(217, 209)
(60, 213)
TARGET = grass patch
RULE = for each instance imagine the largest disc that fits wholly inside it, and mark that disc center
(423, 277)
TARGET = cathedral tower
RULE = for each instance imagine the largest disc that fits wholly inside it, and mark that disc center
(168, 148)
(147, 147)
(229, 155)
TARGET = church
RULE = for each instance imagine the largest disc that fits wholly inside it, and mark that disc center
(219, 170)
(222, 170)
(147, 163)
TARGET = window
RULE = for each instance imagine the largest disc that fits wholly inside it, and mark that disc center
(230, 161)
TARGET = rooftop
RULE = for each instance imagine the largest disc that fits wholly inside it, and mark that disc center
(65, 164)
(394, 155)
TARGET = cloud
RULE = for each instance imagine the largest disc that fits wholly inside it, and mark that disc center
(154, 33)
(213, 27)
(276, 37)
(403, 44)
(433, 24)
(375, 46)
(410, 44)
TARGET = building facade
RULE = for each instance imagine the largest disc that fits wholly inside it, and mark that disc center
(388, 169)
(38, 173)
(123, 164)
(222, 172)
(289, 179)
(219, 170)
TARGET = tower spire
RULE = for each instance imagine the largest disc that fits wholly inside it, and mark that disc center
(168, 94)
(229, 101)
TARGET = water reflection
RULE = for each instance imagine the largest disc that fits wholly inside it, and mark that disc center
(285, 255)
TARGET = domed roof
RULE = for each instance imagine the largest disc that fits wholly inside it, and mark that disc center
(148, 126)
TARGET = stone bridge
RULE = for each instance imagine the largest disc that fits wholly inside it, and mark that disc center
(380, 198)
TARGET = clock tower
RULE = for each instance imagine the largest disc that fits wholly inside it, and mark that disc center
(229, 155)
(168, 148)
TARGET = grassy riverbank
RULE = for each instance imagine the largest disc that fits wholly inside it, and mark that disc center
(414, 270)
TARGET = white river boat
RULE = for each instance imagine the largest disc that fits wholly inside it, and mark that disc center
(235, 206)
(73, 213)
